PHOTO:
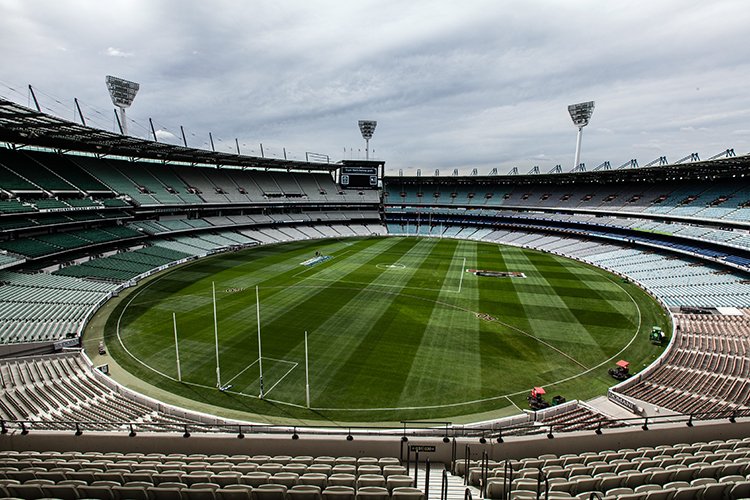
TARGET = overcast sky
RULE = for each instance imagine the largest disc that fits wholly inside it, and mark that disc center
(453, 84)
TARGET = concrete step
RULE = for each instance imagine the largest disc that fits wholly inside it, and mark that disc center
(456, 487)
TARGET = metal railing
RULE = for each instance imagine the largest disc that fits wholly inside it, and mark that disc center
(444, 485)
(541, 478)
(484, 434)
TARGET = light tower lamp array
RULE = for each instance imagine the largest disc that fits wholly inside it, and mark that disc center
(122, 93)
(367, 128)
(580, 114)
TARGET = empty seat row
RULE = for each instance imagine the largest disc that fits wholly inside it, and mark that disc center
(155, 458)
(224, 478)
(103, 490)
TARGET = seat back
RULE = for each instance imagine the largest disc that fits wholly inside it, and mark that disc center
(339, 493)
(409, 493)
(305, 492)
(373, 493)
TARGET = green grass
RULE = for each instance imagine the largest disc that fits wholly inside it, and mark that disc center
(385, 343)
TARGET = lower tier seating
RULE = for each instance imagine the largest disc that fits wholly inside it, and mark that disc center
(713, 470)
(706, 370)
(49, 389)
(155, 476)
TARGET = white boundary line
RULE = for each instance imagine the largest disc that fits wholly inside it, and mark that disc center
(514, 404)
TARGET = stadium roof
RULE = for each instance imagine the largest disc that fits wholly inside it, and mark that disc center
(24, 126)
(720, 168)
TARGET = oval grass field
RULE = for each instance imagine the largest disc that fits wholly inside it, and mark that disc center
(398, 329)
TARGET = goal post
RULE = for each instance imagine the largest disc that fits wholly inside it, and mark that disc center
(307, 374)
(176, 348)
(216, 337)
(260, 350)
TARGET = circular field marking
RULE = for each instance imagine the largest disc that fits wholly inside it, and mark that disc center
(387, 267)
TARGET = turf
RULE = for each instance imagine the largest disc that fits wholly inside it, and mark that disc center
(397, 329)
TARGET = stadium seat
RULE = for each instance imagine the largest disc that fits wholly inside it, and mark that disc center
(270, 492)
(27, 491)
(314, 479)
(199, 494)
(245, 467)
(372, 493)
(98, 492)
(61, 491)
(204, 486)
(288, 479)
(370, 480)
(368, 469)
(320, 468)
(304, 492)
(339, 493)
(324, 460)
(409, 493)
(130, 493)
(398, 481)
(393, 469)
(226, 478)
(255, 479)
(233, 494)
(348, 480)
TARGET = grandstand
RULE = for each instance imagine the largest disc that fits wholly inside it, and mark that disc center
(77, 229)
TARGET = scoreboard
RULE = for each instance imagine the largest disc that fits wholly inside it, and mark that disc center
(359, 177)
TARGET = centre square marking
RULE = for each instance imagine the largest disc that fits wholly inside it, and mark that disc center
(496, 274)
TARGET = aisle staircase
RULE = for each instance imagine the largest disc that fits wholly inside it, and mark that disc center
(456, 487)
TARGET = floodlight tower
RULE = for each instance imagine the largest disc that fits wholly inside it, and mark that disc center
(581, 114)
(122, 93)
(367, 127)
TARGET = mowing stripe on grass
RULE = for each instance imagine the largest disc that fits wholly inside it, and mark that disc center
(538, 321)
(344, 361)
(446, 363)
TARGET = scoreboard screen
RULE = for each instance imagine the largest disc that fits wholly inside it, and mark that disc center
(359, 177)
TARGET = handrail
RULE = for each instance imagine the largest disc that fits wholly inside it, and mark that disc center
(444, 486)
(507, 478)
(484, 474)
(249, 428)
(467, 452)
(426, 478)
(416, 467)
(539, 478)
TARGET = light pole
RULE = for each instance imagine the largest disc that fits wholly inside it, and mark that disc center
(367, 127)
(122, 93)
(580, 114)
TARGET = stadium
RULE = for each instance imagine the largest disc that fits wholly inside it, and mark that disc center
(219, 322)
(517, 282)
